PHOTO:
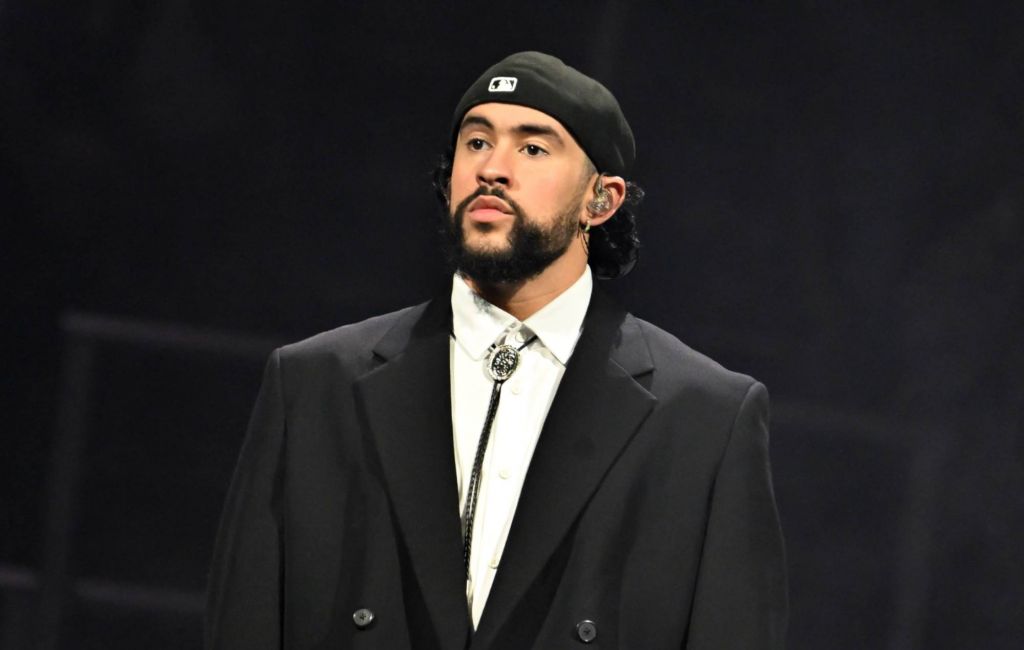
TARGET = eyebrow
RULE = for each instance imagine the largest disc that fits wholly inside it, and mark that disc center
(476, 120)
(520, 129)
(537, 129)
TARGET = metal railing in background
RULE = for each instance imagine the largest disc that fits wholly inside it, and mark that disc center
(54, 585)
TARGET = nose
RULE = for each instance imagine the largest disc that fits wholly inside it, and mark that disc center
(496, 169)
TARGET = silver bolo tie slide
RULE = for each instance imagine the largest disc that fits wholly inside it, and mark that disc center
(503, 361)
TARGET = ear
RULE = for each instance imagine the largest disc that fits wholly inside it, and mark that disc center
(614, 190)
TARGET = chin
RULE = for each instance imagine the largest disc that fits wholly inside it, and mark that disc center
(478, 248)
(490, 241)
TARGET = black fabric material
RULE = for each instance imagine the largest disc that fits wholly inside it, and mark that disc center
(585, 108)
(647, 508)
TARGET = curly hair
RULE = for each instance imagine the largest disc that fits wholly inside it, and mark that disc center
(614, 245)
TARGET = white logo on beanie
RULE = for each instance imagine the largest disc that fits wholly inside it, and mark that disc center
(502, 85)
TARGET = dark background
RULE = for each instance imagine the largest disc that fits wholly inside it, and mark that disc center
(835, 206)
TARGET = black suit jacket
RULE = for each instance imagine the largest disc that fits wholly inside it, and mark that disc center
(647, 508)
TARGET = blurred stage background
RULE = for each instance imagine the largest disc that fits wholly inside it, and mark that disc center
(835, 206)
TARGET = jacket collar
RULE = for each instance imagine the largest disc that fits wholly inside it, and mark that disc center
(406, 404)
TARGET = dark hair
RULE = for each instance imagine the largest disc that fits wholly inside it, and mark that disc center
(614, 245)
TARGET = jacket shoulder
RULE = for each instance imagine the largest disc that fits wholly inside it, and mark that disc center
(678, 367)
(352, 344)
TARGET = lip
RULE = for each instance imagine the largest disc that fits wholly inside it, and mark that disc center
(488, 208)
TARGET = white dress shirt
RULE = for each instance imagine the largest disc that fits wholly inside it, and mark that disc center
(525, 400)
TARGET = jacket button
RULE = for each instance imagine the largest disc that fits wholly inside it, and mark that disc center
(586, 631)
(362, 617)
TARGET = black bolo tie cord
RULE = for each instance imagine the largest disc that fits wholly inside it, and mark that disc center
(473, 489)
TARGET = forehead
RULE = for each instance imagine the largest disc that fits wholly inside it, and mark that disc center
(512, 116)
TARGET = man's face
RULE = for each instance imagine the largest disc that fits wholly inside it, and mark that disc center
(517, 191)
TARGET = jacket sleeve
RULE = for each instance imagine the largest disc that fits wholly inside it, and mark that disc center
(244, 592)
(741, 593)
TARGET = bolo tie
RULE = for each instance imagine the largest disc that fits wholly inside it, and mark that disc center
(502, 361)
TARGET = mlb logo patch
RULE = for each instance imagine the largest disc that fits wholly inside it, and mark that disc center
(502, 85)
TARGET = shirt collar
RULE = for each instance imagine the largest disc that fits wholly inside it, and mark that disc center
(477, 323)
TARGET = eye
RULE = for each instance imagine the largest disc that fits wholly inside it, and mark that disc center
(533, 150)
(476, 144)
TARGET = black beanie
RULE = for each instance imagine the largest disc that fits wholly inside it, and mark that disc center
(584, 107)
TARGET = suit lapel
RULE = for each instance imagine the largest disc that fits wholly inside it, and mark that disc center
(597, 410)
(407, 405)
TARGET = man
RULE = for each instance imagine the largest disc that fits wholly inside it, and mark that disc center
(520, 463)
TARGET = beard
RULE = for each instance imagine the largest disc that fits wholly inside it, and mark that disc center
(530, 249)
